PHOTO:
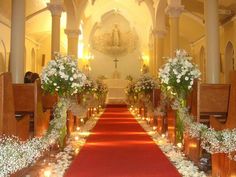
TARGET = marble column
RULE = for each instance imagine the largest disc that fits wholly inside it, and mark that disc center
(159, 40)
(212, 41)
(56, 9)
(17, 41)
(174, 9)
(72, 38)
(151, 46)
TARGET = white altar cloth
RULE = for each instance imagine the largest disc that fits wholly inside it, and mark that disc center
(116, 90)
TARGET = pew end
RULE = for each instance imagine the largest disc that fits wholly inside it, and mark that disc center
(8, 122)
(221, 164)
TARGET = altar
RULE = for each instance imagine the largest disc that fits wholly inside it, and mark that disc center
(116, 90)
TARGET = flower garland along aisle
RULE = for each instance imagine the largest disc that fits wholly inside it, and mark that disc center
(62, 76)
(185, 167)
(176, 79)
(63, 159)
(211, 140)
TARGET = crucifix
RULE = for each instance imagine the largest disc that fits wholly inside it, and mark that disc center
(116, 61)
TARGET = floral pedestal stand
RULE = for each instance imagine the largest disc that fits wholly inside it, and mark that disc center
(179, 120)
(58, 124)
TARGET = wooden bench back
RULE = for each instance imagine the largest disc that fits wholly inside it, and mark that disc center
(221, 164)
(28, 100)
(24, 97)
(49, 101)
(214, 98)
(231, 119)
(209, 99)
(7, 112)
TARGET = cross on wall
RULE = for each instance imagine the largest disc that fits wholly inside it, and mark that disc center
(116, 61)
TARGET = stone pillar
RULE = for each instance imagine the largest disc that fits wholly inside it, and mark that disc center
(174, 9)
(151, 47)
(212, 41)
(151, 65)
(56, 9)
(159, 40)
(72, 37)
(17, 41)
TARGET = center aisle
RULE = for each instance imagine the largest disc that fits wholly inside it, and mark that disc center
(119, 147)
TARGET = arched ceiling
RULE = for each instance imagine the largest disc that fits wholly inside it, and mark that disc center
(138, 12)
(139, 16)
(227, 8)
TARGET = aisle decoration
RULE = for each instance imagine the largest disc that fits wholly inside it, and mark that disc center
(63, 159)
(87, 94)
(179, 74)
(60, 76)
(176, 79)
(145, 84)
(131, 95)
(185, 167)
(211, 140)
(101, 91)
(144, 87)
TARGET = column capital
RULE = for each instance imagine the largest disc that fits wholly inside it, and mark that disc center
(159, 33)
(55, 9)
(72, 32)
(174, 9)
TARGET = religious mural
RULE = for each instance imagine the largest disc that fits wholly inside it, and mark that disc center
(114, 42)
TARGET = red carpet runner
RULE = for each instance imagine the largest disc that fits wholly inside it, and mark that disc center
(119, 147)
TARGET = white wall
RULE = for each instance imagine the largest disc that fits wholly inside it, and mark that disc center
(127, 65)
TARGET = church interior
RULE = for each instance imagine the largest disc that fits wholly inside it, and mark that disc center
(126, 128)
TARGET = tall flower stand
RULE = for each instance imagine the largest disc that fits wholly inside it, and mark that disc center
(58, 124)
(179, 121)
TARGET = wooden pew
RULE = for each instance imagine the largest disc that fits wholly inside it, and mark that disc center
(8, 122)
(49, 101)
(205, 100)
(28, 103)
(221, 165)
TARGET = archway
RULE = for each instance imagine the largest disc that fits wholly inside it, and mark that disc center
(229, 60)
(202, 61)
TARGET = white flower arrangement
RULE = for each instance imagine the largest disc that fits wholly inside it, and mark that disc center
(211, 140)
(131, 95)
(101, 88)
(177, 75)
(145, 84)
(176, 78)
(15, 155)
(77, 140)
(89, 86)
(101, 91)
(62, 76)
